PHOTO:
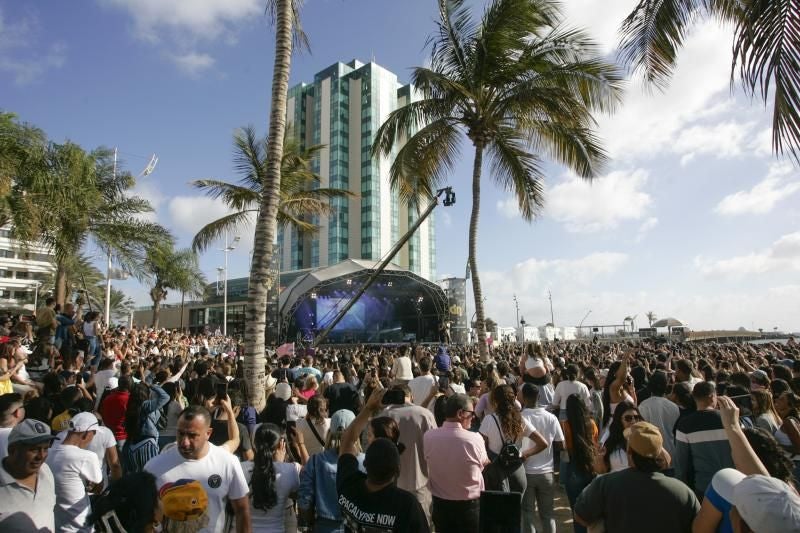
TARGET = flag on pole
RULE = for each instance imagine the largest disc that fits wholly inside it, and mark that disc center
(285, 349)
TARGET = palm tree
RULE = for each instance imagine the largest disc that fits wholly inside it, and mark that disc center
(298, 197)
(518, 84)
(651, 317)
(171, 269)
(766, 48)
(20, 146)
(285, 15)
(65, 196)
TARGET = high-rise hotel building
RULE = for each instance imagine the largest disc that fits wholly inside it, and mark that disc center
(342, 109)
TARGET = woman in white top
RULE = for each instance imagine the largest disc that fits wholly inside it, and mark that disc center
(534, 366)
(315, 425)
(401, 370)
(506, 425)
(570, 385)
(273, 482)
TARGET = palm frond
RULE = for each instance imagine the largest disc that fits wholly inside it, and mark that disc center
(299, 36)
(422, 164)
(409, 118)
(767, 48)
(576, 147)
(286, 219)
(216, 229)
(518, 171)
(652, 35)
(249, 157)
(450, 45)
(236, 197)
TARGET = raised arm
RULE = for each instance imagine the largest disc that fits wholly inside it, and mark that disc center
(232, 444)
(744, 458)
(351, 434)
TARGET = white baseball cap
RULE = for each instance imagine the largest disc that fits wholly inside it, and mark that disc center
(283, 391)
(82, 422)
(767, 504)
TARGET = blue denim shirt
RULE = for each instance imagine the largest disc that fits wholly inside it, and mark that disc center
(149, 413)
(64, 322)
(318, 485)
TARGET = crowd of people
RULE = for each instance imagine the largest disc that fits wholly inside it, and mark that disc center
(135, 429)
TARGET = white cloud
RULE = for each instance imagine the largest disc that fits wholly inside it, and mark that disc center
(509, 208)
(190, 213)
(193, 63)
(600, 18)
(180, 25)
(723, 140)
(762, 143)
(600, 204)
(645, 228)
(778, 185)
(21, 57)
(198, 19)
(782, 256)
(649, 122)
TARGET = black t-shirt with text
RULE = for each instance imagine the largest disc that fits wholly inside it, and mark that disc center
(387, 510)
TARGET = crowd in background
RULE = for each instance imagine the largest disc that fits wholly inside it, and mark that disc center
(133, 429)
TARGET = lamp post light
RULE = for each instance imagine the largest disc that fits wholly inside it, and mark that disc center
(35, 287)
(229, 247)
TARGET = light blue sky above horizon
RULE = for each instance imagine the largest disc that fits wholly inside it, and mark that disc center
(693, 218)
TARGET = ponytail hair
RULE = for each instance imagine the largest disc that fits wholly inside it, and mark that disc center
(268, 438)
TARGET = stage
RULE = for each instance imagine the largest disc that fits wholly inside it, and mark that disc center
(399, 307)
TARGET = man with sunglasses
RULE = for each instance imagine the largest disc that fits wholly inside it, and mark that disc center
(77, 474)
(456, 458)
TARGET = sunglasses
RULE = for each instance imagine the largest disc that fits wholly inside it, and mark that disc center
(632, 418)
(471, 413)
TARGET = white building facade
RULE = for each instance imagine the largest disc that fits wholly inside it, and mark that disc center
(22, 271)
(343, 109)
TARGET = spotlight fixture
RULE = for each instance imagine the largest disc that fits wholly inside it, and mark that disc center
(313, 295)
(349, 281)
(389, 284)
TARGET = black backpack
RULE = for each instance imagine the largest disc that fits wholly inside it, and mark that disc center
(510, 456)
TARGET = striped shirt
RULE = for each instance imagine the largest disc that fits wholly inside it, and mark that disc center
(701, 449)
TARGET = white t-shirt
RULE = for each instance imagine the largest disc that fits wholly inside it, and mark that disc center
(296, 411)
(490, 430)
(72, 468)
(100, 381)
(102, 441)
(549, 427)
(402, 369)
(196, 490)
(287, 481)
(663, 414)
(565, 389)
(4, 441)
(421, 387)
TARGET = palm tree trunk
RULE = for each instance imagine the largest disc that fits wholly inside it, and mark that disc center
(156, 313)
(61, 283)
(266, 223)
(473, 261)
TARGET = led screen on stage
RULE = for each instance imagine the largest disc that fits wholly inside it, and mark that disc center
(328, 308)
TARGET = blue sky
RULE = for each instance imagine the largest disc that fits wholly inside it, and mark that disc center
(694, 218)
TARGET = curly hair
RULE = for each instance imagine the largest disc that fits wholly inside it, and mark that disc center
(267, 439)
(510, 420)
(771, 454)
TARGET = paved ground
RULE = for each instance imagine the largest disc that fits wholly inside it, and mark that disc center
(563, 514)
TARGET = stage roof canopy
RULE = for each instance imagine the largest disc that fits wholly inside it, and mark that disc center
(357, 269)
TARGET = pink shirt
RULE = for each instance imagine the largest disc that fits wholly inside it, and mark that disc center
(455, 458)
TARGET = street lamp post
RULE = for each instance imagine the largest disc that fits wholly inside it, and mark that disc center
(522, 322)
(228, 248)
(36, 285)
(516, 303)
